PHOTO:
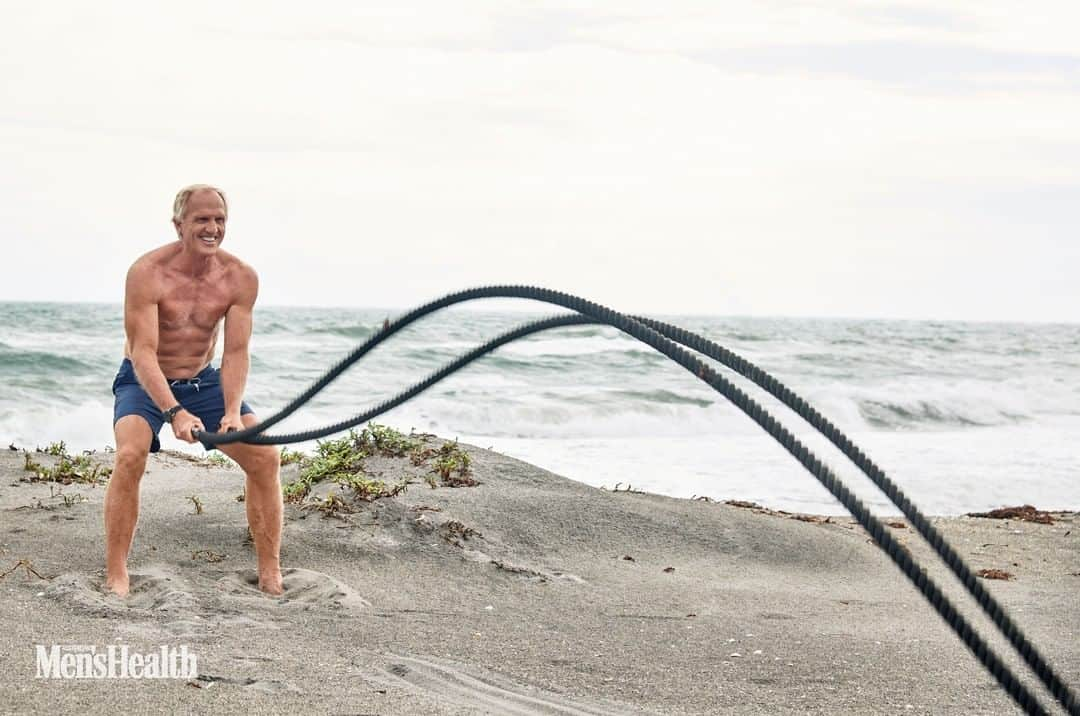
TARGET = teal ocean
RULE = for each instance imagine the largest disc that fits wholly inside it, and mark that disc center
(964, 416)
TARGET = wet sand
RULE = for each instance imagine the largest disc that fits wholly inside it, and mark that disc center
(528, 593)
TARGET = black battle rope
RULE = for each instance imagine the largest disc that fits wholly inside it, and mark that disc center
(993, 609)
(636, 329)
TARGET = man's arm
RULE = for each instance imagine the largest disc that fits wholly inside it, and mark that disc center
(235, 359)
(141, 326)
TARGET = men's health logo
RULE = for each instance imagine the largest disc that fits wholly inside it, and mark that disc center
(115, 661)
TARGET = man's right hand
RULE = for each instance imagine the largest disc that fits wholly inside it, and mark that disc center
(182, 425)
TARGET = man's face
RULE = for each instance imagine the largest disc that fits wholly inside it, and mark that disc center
(202, 227)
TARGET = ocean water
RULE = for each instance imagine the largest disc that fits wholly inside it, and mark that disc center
(964, 416)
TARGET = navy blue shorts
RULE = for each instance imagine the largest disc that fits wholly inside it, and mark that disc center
(201, 396)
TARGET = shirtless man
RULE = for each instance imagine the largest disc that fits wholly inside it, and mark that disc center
(174, 302)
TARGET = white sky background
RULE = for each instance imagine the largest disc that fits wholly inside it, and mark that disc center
(877, 159)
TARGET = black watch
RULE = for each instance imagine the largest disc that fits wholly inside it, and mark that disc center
(169, 414)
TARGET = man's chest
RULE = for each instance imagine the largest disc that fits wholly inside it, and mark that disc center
(192, 305)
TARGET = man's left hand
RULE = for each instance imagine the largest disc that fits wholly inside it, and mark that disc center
(230, 422)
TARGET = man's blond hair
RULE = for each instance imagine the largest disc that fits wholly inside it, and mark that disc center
(180, 203)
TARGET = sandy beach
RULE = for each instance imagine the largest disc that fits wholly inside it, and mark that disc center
(525, 594)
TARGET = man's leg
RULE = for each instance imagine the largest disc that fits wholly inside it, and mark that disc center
(133, 438)
(263, 503)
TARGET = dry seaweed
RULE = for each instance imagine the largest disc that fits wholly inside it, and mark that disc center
(994, 574)
(27, 566)
(1024, 513)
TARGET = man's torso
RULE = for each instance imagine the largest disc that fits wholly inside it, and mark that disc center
(189, 310)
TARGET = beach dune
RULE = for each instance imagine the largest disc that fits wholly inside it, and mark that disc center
(525, 594)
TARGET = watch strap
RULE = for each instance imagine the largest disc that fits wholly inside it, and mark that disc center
(169, 414)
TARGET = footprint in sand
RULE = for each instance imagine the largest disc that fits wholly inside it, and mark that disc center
(154, 590)
(303, 587)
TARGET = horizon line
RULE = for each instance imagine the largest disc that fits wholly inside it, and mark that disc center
(761, 316)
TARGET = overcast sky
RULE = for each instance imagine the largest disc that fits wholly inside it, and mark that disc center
(841, 158)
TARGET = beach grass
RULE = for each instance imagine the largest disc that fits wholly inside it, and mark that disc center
(67, 469)
(343, 461)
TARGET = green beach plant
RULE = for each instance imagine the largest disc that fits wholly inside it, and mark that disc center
(68, 468)
(218, 459)
(341, 461)
(288, 457)
(382, 440)
(55, 449)
(454, 466)
(332, 505)
(69, 500)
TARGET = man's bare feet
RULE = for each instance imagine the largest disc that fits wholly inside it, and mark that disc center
(118, 585)
(270, 582)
